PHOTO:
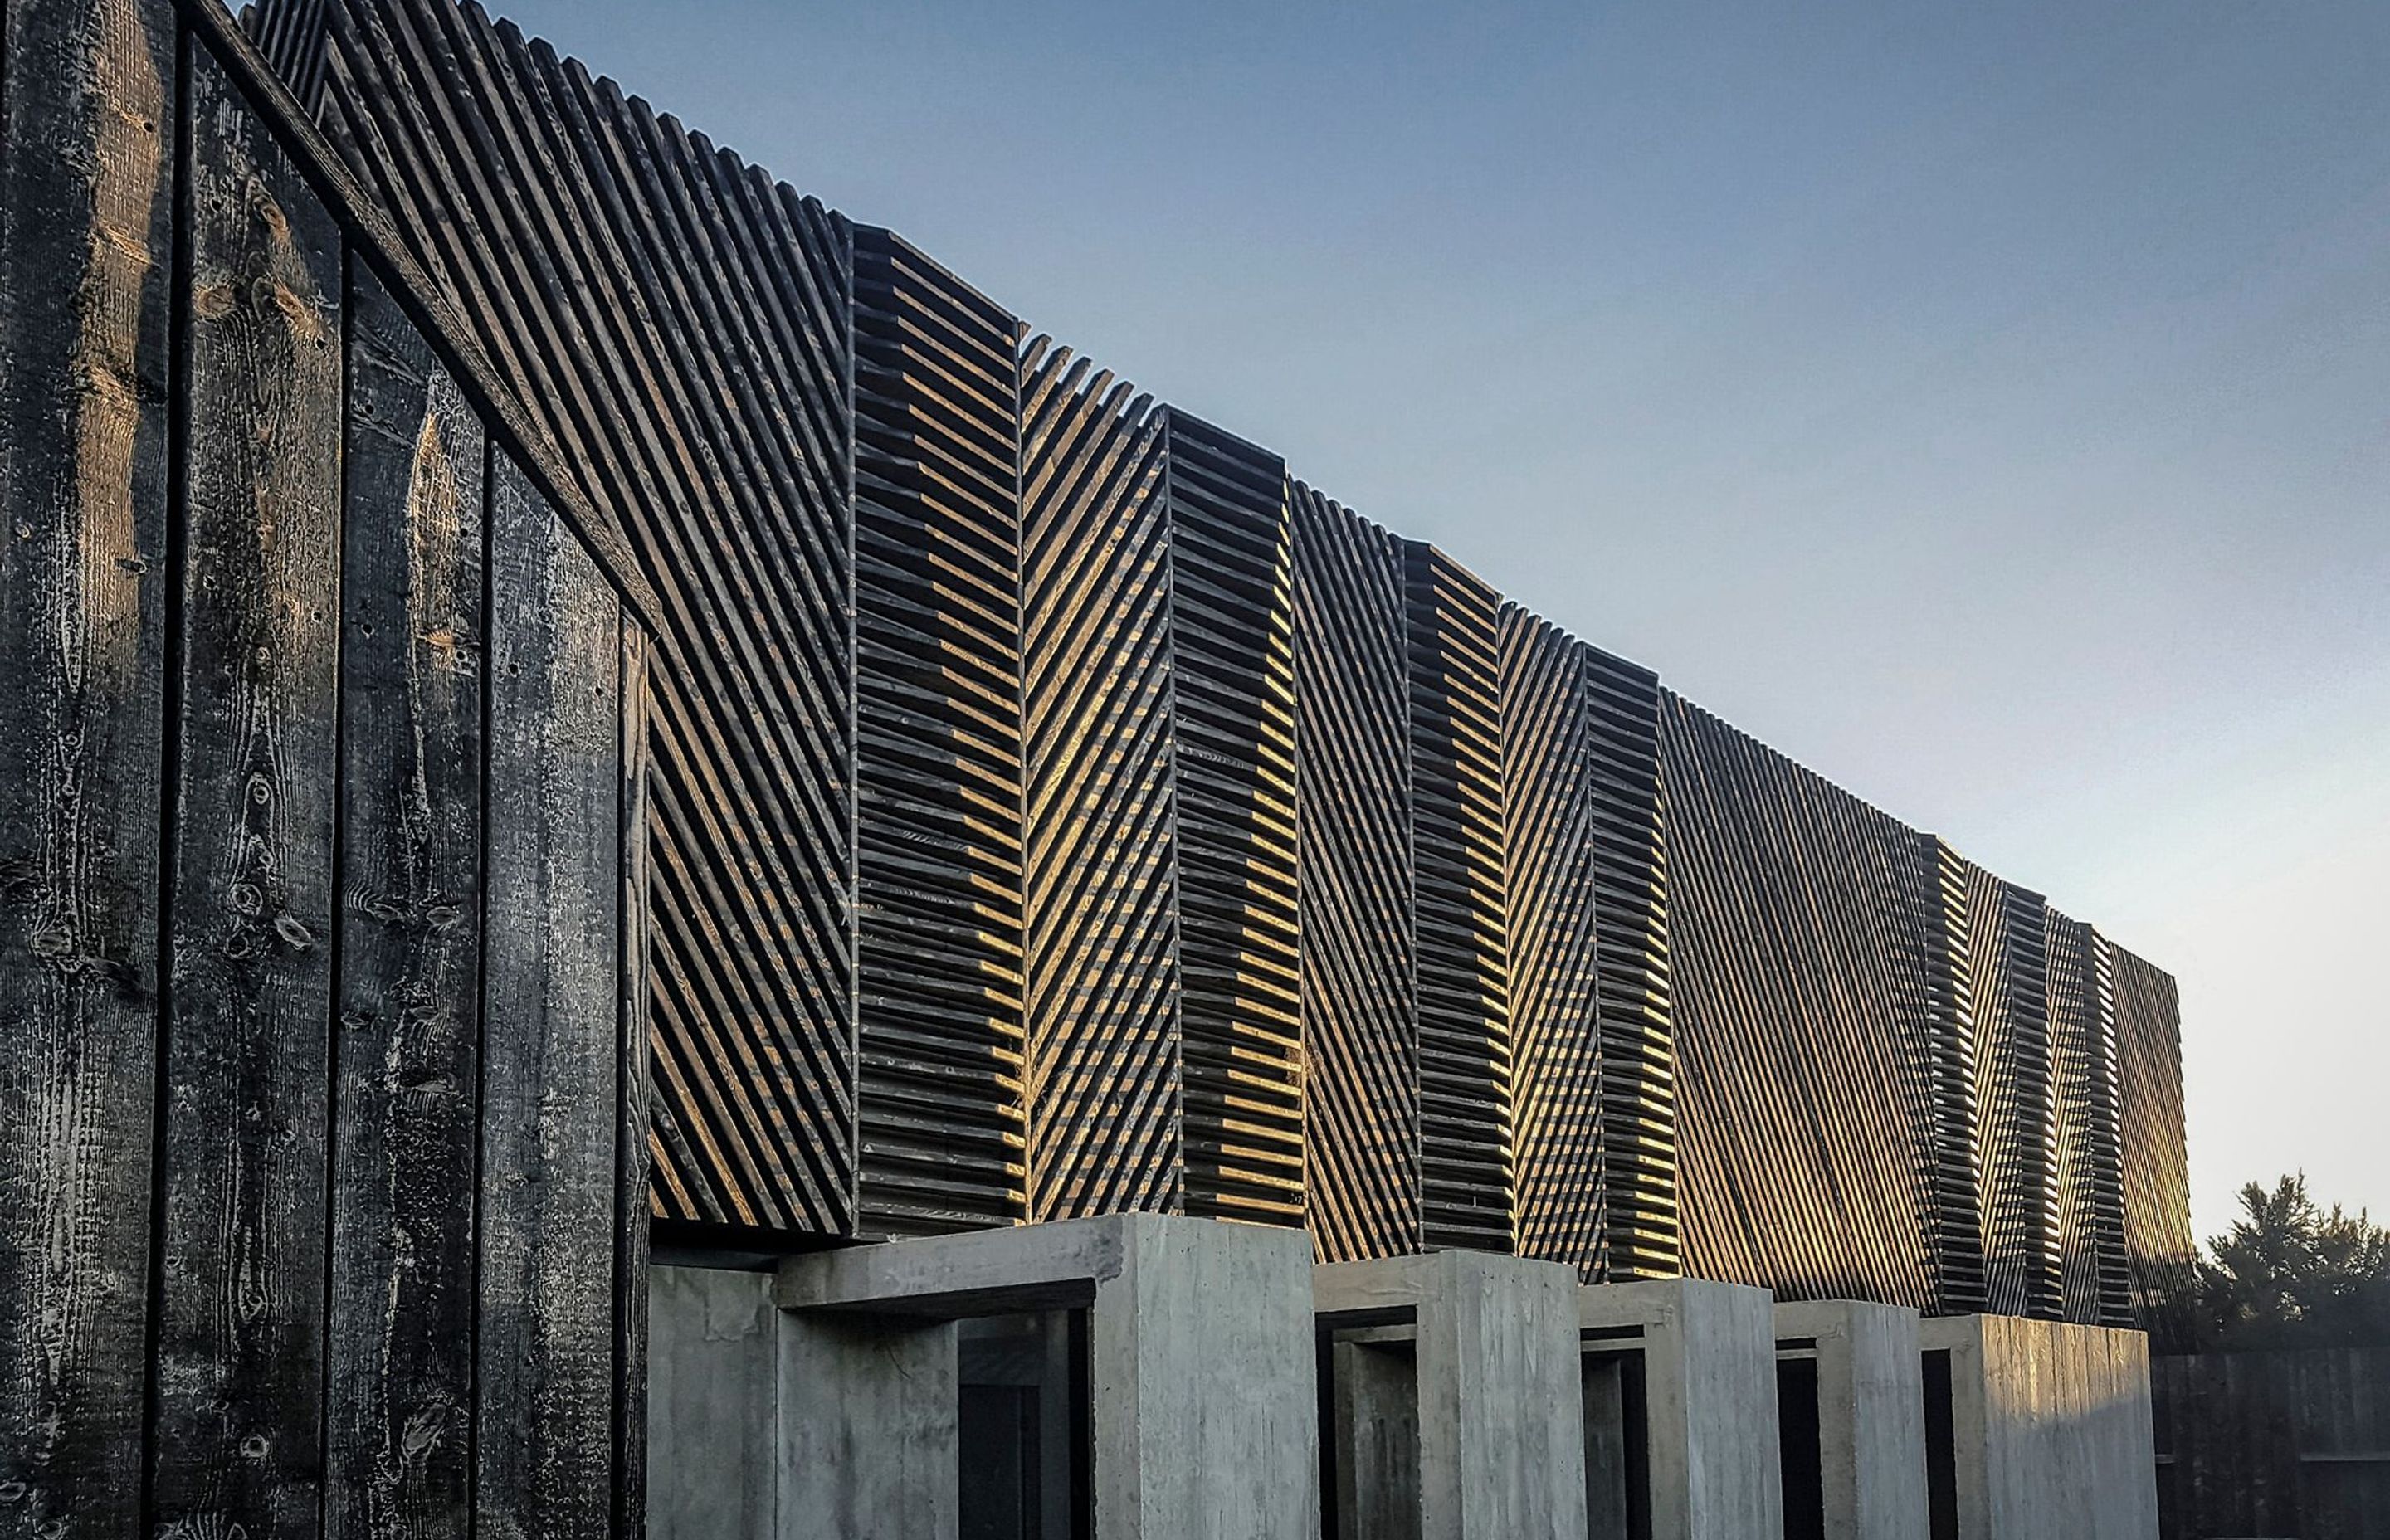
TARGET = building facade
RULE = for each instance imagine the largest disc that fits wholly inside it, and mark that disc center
(1006, 798)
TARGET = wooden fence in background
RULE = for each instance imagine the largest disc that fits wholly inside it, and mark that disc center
(2267, 1444)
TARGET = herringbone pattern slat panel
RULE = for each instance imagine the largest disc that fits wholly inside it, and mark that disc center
(1352, 760)
(1551, 879)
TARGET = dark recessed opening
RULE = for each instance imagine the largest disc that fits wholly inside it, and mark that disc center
(1800, 1448)
(1941, 1450)
(1023, 1424)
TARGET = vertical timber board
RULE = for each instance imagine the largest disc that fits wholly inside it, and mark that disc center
(2157, 1176)
(1466, 1177)
(1361, 1109)
(1232, 680)
(938, 920)
(2009, 970)
(1549, 884)
(1630, 905)
(88, 174)
(545, 1365)
(1796, 936)
(633, 1180)
(1103, 956)
(405, 1136)
(239, 1379)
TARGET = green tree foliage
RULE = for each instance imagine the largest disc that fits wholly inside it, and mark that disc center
(2293, 1274)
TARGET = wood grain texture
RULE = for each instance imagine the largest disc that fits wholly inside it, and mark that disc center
(405, 1139)
(545, 1365)
(239, 1379)
(87, 169)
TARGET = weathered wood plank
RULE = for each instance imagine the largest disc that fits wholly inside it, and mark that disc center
(239, 1377)
(546, 1364)
(631, 1197)
(86, 182)
(398, 1452)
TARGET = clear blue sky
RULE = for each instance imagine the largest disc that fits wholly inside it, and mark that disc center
(1988, 405)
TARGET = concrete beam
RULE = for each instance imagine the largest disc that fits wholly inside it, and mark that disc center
(1709, 1377)
(1870, 1439)
(1458, 1412)
(1205, 1417)
(2050, 1436)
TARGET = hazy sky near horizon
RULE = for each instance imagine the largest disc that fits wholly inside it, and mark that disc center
(1989, 406)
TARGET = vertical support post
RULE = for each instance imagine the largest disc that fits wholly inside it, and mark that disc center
(1498, 1447)
(1709, 1379)
(1871, 1383)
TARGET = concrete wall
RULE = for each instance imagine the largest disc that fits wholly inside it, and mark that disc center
(2051, 1431)
(822, 1404)
(1709, 1375)
(1870, 1434)
(1480, 1382)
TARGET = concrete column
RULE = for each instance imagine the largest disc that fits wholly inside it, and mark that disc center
(1708, 1353)
(2049, 1430)
(868, 1415)
(712, 1402)
(1459, 1409)
(1205, 1417)
(1870, 1434)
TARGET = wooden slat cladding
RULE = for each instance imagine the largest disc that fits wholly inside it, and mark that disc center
(88, 172)
(678, 327)
(1630, 905)
(1159, 593)
(1798, 951)
(2008, 949)
(251, 937)
(1453, 655)
(2095, 1274)
(1549, 880)
(324, 1133)
(2158, 1240)
(938, 917)
(1956, 1180)
(1103, 996)
(1359, 983)
(1233, 624)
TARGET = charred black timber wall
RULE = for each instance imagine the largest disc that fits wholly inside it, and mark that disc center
(320, 747)
(1057, 810)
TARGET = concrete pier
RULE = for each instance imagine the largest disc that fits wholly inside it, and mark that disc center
(1861, 1367)
(1700, 1360)
(1456, 1403)
(2038, 1431)
(822, 1401)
